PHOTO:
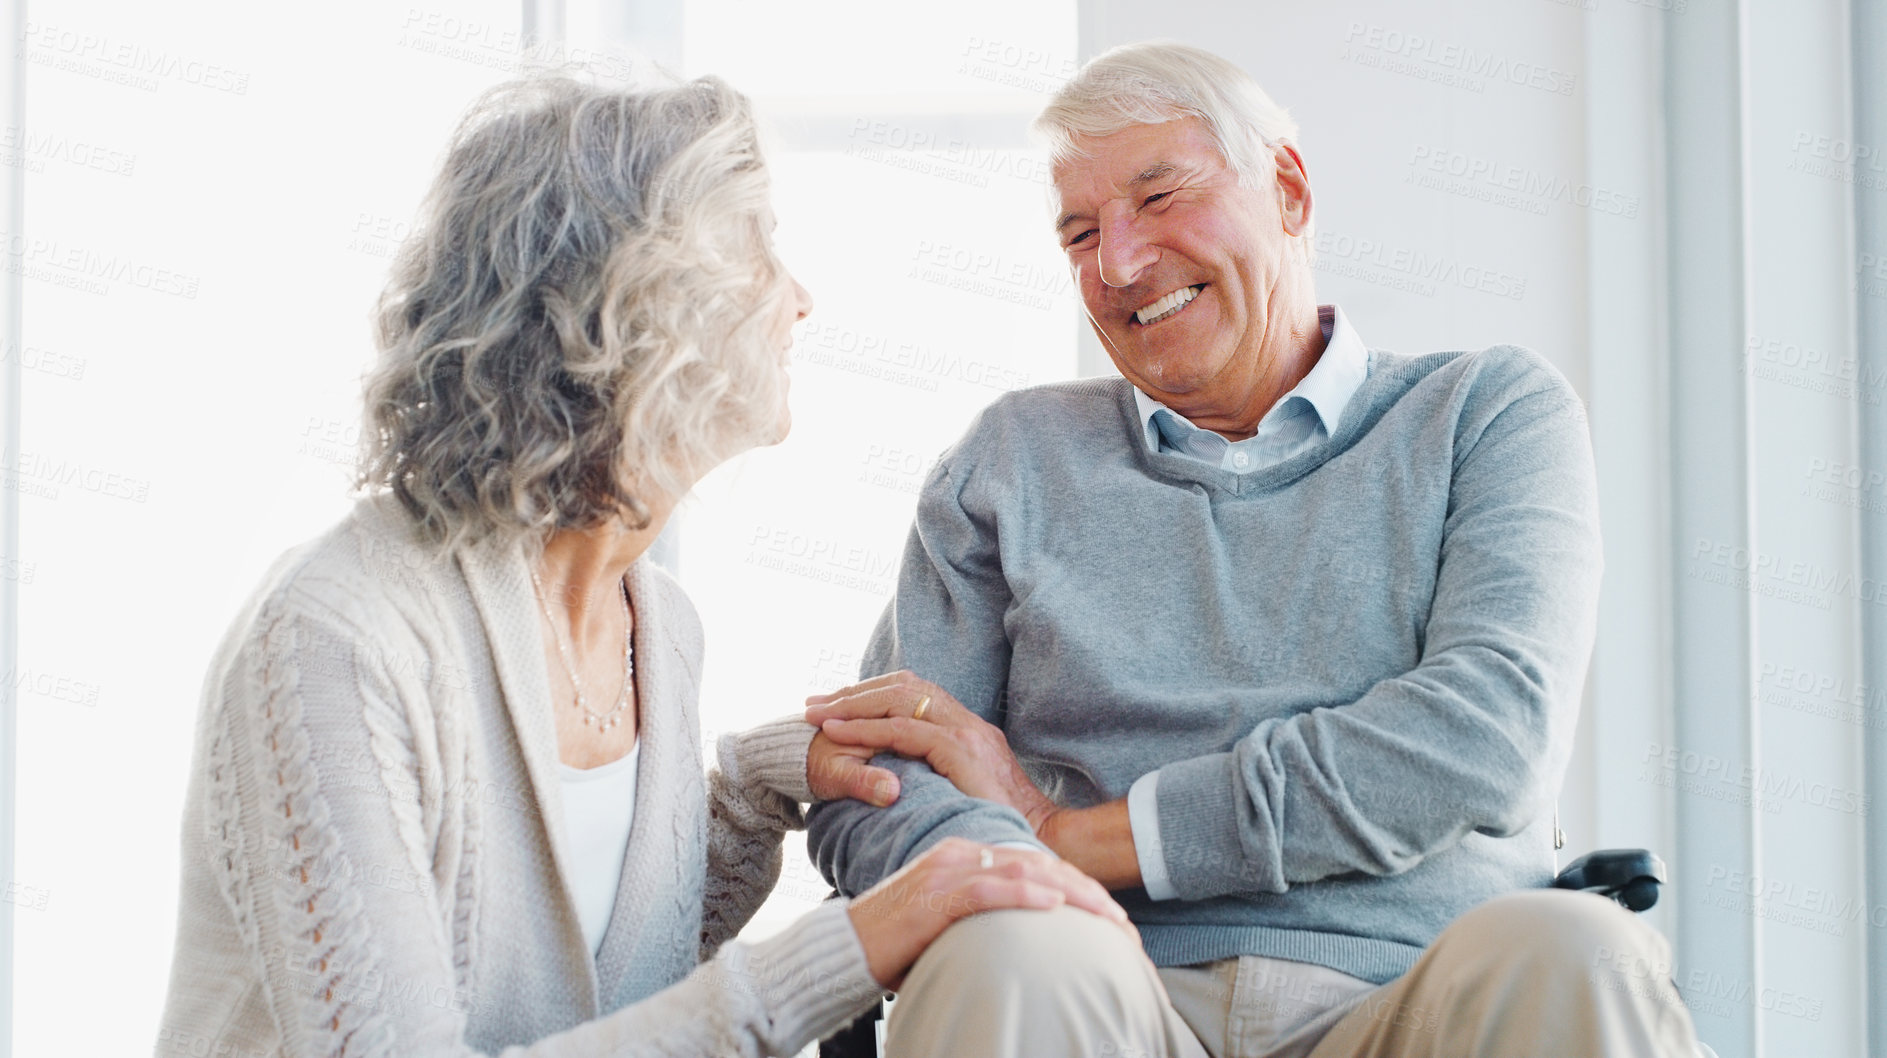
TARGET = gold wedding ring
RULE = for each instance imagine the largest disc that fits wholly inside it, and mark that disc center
(923, 706)
(986, 860)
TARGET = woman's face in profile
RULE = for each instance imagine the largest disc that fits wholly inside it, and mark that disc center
(794, 304)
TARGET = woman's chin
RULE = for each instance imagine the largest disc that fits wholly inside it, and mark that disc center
(784, 422)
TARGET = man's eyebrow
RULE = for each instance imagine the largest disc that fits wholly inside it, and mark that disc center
(1156, 171)
(1151, 173)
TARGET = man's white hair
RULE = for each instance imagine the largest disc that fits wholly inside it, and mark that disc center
(1158, 81)
(1153, 82)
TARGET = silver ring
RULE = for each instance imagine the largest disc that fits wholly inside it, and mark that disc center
(986, 859)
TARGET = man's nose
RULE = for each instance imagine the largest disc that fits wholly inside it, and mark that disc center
(1125, 249)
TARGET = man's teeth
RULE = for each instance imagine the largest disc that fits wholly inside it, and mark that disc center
(1167, 305)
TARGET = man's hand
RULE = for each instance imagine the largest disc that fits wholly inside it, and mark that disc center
(879, 714)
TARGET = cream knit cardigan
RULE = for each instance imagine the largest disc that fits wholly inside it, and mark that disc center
(373, 858)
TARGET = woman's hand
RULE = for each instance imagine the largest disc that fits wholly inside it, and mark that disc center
(835, 772)
(879, 714)
(899, 917)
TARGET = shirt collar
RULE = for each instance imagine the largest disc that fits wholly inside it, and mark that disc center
(1332, 380)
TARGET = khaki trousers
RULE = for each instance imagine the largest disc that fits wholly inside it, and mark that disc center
(1537, 974)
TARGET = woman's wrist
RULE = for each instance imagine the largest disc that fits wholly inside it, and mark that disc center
(771, 757)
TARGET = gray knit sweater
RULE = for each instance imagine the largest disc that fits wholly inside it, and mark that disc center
(373, 862)
(1357, 671)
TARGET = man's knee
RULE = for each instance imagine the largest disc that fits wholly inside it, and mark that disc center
(1032, 948)
(1566, 931)
(1033, 983)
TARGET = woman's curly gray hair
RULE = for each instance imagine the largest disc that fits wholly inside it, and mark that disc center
(582, 320)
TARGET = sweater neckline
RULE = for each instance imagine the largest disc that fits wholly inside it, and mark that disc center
(499, 578)
(1365, 407)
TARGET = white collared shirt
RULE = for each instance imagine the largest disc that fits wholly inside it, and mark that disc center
(1307, 415)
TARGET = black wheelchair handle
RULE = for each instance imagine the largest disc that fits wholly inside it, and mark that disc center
(1629, 876)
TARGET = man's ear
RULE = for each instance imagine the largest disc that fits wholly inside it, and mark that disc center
(1294, 197)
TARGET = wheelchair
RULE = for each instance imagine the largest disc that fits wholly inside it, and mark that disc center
(1629, 876)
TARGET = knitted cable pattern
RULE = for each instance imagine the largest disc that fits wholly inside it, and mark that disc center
(420, 796)
(323, 924)
(223, 825)
(745, 822)
(467, 815)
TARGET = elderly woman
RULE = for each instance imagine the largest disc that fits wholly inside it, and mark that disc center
(447, 795)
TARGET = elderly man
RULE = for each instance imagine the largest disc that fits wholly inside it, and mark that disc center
(1286, 636)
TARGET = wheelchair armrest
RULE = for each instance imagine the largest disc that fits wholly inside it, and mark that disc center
(1629, 876)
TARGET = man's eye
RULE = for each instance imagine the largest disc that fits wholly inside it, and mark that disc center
(1151, 199)
(1079, 239)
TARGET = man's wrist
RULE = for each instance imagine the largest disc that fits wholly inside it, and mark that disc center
(1040, 815)
(1143, 818)
(1098, 840)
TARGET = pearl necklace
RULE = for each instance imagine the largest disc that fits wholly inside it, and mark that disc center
(592, 718)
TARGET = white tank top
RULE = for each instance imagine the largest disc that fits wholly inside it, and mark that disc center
(599, 804)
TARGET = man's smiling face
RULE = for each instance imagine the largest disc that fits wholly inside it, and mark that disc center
(1178, 264)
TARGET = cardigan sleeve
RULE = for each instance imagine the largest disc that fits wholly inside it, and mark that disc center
(310, 841)
(753, 800)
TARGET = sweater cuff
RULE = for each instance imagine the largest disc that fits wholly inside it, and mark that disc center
(1143, 821)
(772, 756)
(1215, 841)
(813, 978)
